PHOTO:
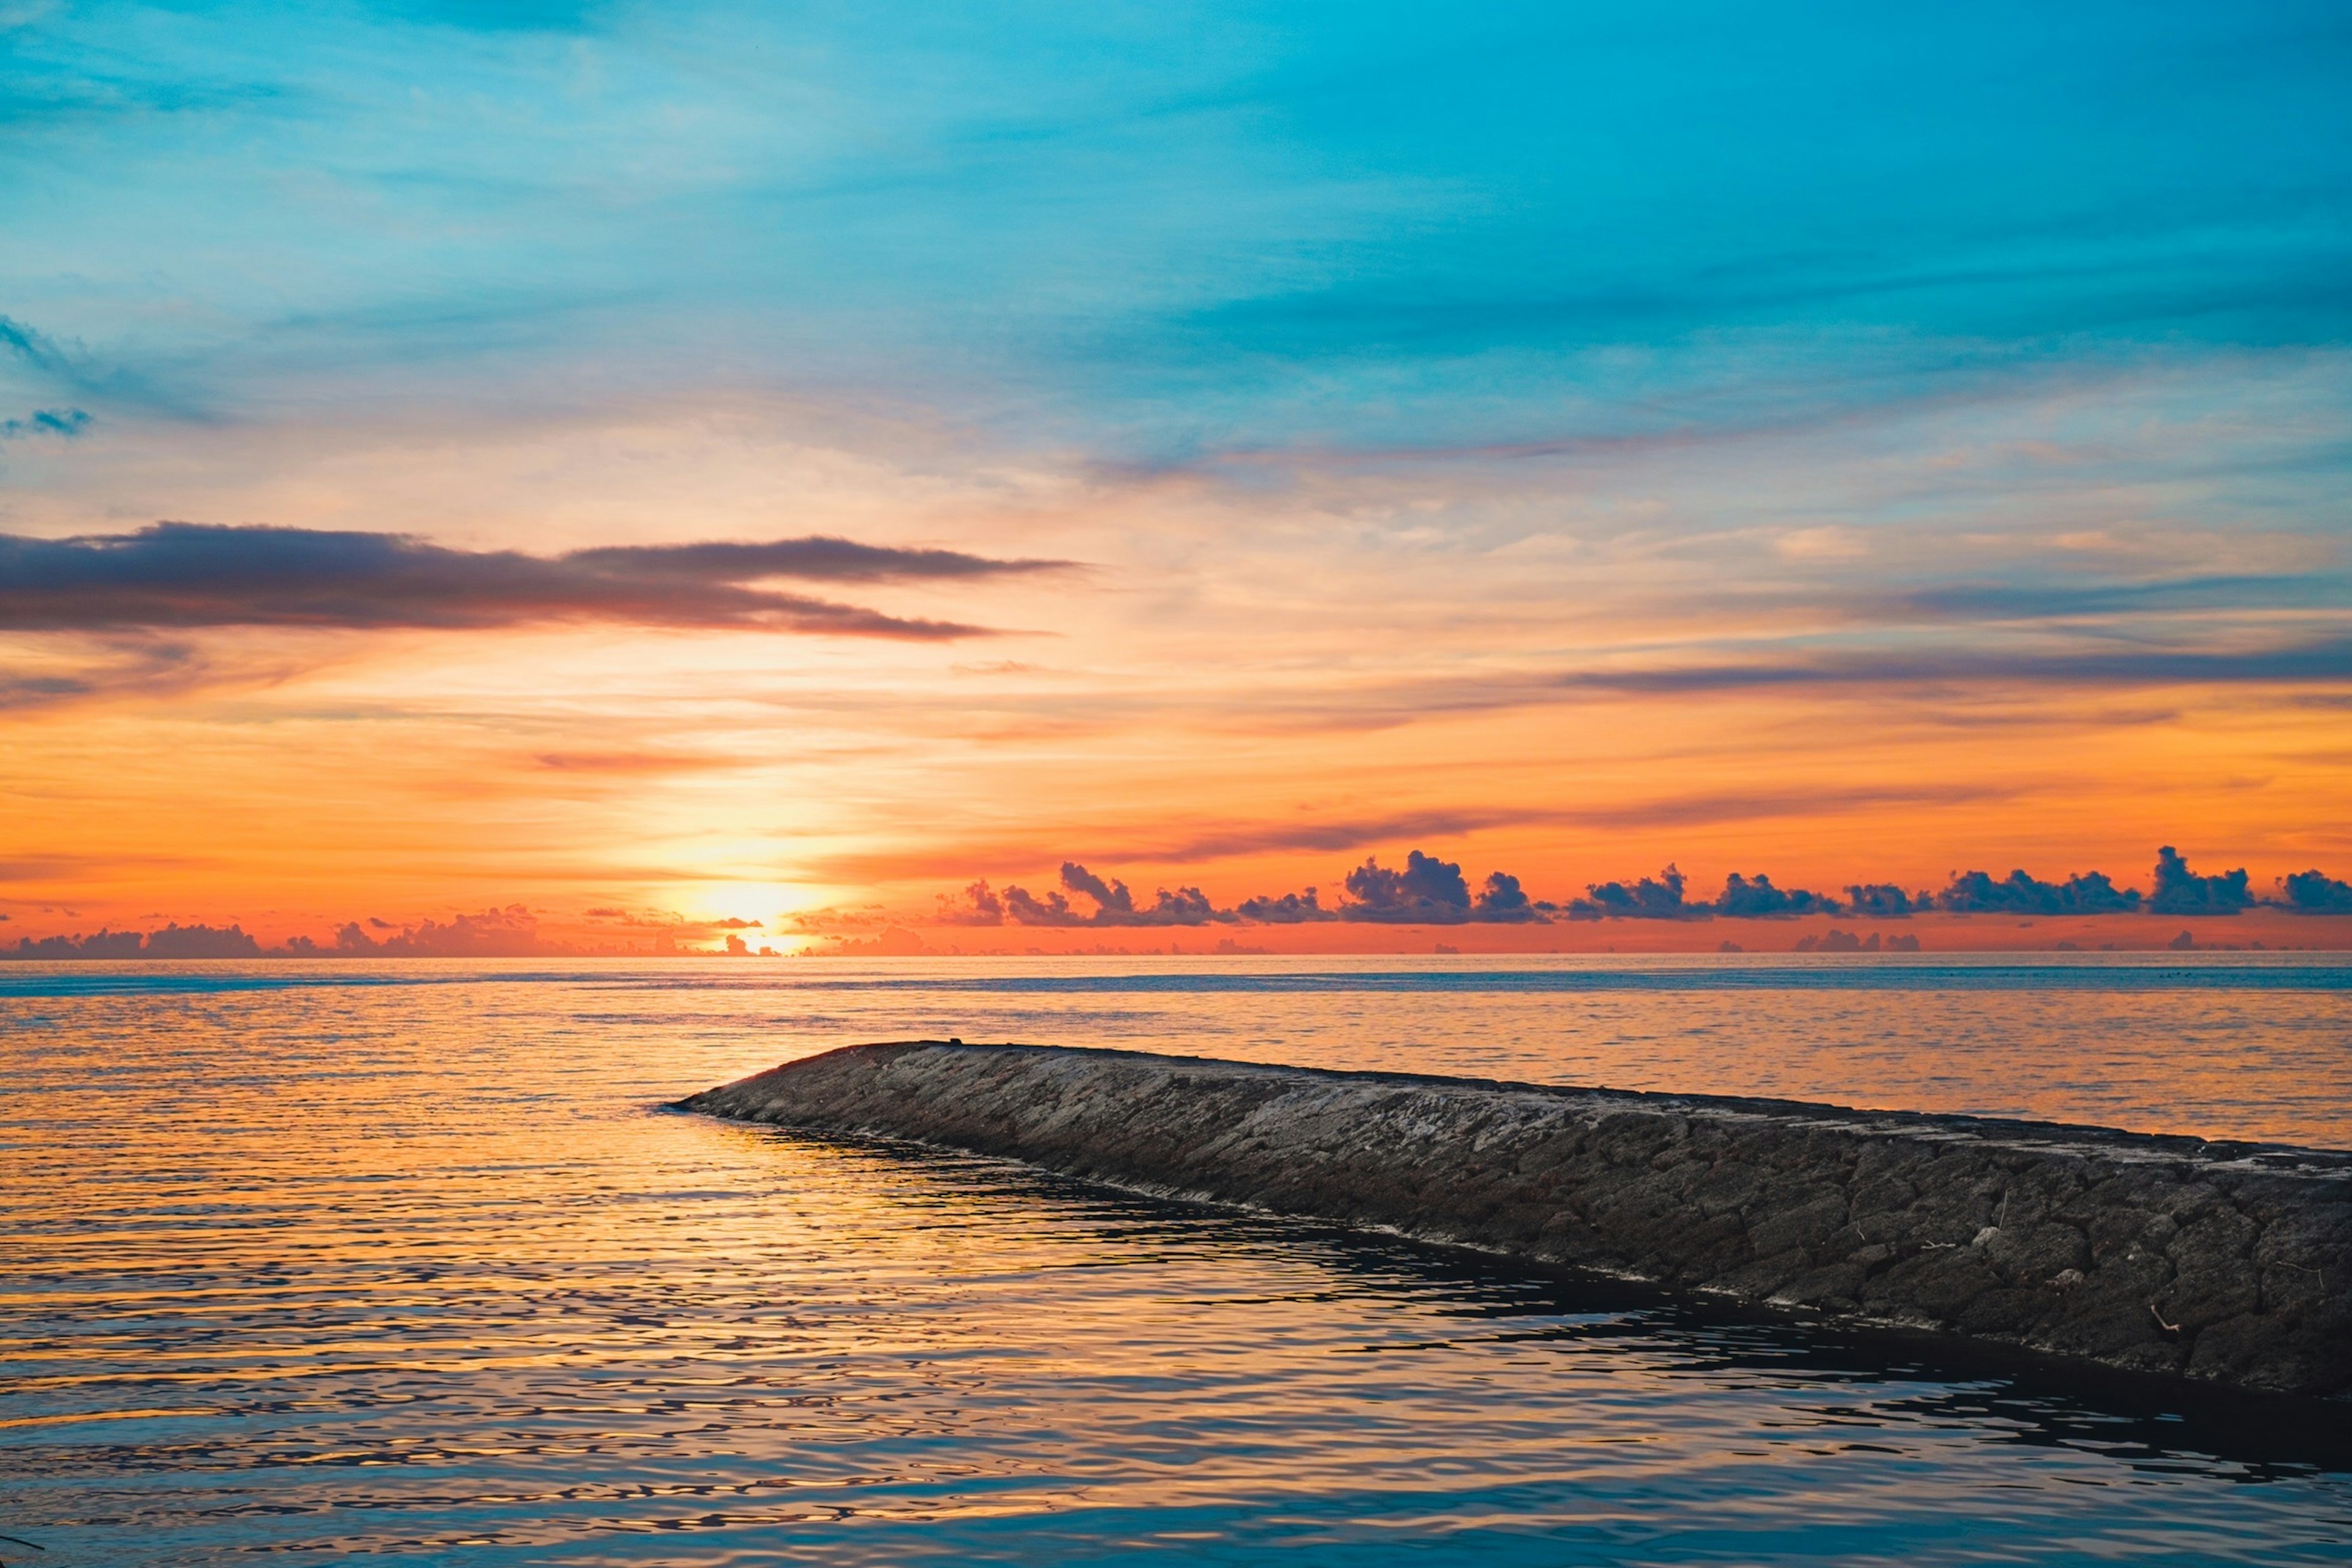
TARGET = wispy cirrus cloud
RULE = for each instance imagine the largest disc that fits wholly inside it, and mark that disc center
(186, 575)
(1204, 842)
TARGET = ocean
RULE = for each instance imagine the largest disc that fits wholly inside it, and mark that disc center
(318, 1263)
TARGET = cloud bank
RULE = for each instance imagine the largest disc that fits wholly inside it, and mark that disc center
(180, 575)
(1424, 891)
(1428, 890)
(508, 932)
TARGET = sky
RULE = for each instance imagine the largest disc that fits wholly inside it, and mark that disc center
(659, 472)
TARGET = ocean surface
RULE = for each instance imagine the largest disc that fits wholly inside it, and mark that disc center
(312, 1263)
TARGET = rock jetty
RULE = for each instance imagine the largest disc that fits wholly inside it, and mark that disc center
(2228, 1262)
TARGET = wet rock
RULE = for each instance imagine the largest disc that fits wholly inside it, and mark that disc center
(2162, 1254)
(2032, 1253)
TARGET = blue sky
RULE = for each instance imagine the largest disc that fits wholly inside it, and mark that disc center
(1152, 233)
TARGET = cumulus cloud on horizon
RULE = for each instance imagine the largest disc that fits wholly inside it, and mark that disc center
(2315, 893)
(508, 932)
(1115, 906)
(1429, 890)
(184, 575)
(1425, 891)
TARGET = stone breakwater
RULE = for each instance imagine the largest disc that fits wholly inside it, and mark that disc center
(2219, 1261)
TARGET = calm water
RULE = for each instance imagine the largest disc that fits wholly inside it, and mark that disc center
(306, 1264)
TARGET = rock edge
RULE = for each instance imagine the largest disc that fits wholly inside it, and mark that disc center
(2227, 1262)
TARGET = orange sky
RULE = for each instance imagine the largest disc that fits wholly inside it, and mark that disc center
(1928, 475)
(1204, 701)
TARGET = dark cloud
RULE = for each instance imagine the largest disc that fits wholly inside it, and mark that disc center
(64, 423)
(2087, 893)
(1427, 890)
(1501, 902)
(190, 575)
(980, 906)
(1885, 901)
(103, 944)
(1430, 891)
(2314, 893)
(174, 941)
(510, 932)
(1759, 899)
(2178, 891)
(1291, 908)
(1114, 905)
(818, 558)
(1054, 909)
(1659, 899)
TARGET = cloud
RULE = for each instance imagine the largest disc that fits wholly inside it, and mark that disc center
(1169, 845)
(2087, 893)
(1836, 941)
(1501, 902)
(63, 423)
(2322, 658)
(1114, 905)
(1289, 910)
(1430, 891)
(2044, 601)
(1221, 843)
(2314, 893)
(136, 666)
(980, 906)
(34, 348)
(103, 944)
(2178, 891)
(1648, 900)
(174, 941)
(1427, 891)
(1885, 901)
(1053, 909)
(1759, 899)
(510, 932)
(816, 558)
(190, 575)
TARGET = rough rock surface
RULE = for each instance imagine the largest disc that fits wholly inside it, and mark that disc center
(2220, 1261)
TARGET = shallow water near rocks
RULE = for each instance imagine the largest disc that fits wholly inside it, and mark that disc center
(311, 1264)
